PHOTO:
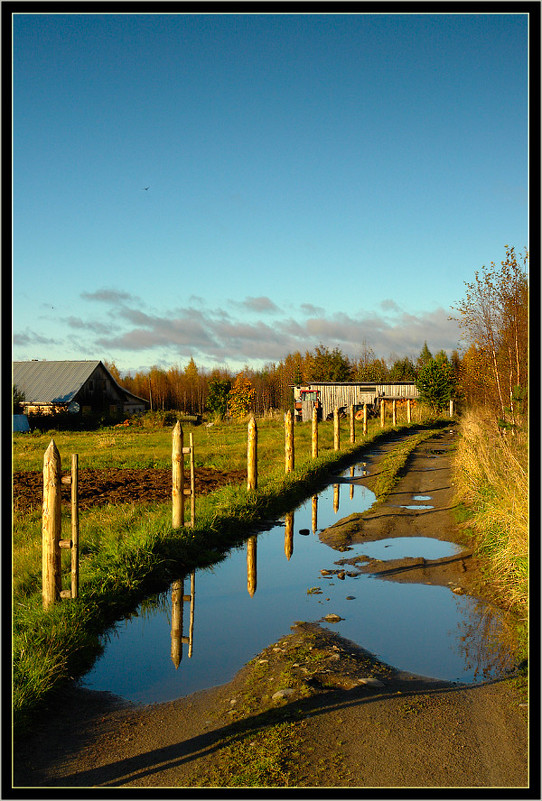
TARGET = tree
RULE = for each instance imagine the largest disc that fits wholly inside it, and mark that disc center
(18, 398)
(494, 317)
(402, 370)
(325, 365)
(240, 397)
(217, 397)
(436, 384)
(424, 357)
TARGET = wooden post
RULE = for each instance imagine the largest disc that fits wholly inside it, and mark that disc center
(352, 425)
(252, 456)
(394, 412)
(451, 407)
(315, 433)
(251, 566)
(177, 590)
(314, 513)
(289, 441)
(51, 527)
(177, 477)
(382, 413)
(289, 535)
(75, 525)
(192, 482)
(336, 430)
(365, 419)
(408, 411)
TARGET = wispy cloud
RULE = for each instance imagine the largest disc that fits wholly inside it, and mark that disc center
(129, 333)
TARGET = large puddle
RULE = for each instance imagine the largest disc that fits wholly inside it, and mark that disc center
(239, 606)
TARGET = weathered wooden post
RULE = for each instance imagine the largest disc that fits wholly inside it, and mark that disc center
(394, 412)
(252, 456)
(408, 411)
(314, 520)
(289, 535)
(289, 441)
(251, 566)
(382, 413)
(51, 526)
(192, 482)
(364, 419)
(451, 407)
(315, 433)
(352, 425)
(75, 525)
(336, 430)
(177, 477)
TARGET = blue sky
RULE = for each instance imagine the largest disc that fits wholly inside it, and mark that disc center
(313, 178)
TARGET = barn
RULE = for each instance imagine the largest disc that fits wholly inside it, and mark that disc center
(328, 395)
(79, 387)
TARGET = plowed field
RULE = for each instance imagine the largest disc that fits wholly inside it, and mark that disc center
(119, 485)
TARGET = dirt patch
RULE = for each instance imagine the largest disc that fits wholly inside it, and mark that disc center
(118, 485)
(359, 723)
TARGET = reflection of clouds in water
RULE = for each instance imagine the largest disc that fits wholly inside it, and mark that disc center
(484, 637)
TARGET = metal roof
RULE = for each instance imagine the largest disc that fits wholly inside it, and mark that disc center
(51, 382)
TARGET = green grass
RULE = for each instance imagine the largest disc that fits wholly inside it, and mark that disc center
(128, 551)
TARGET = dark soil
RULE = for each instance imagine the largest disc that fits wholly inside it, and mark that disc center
(118, 485)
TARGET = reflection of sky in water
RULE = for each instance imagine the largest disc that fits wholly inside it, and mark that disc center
(401, 547)
(420, 628)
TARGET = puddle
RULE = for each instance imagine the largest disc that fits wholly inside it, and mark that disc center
(403, 547)
(415, 506)
(233, 610)
(421, 498)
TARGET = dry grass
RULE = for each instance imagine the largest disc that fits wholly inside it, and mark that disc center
(491, 478)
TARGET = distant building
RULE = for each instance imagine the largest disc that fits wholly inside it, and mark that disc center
(325, 396)
(79, 387)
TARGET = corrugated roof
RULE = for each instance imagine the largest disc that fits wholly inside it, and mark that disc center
(51, 382)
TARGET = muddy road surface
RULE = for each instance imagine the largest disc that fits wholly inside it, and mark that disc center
(358, 723)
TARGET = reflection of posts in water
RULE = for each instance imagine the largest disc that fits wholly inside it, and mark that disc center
(177, 639)
(251, 566)
(351, 485)
(289, 535)
(335, 498)
(314, 513)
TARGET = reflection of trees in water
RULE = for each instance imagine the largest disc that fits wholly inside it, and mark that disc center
(485, 636)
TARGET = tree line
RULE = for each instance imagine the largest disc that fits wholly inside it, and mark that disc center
(491, 369)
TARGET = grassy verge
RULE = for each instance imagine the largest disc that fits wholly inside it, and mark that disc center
(491, 480)
(129, 550)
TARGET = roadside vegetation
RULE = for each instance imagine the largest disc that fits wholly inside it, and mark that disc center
(130, 550)
(492, 462)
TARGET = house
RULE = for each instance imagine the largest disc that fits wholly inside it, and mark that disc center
(79, 387)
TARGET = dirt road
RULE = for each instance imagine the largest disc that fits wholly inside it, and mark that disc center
(358, 723)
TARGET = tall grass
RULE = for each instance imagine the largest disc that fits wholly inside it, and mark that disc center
(491, 480)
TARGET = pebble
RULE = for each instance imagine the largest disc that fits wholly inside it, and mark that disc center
(350, 597)
(333, 618)
(280, 694)
(304, 531)
(263, 661)
(371, 682)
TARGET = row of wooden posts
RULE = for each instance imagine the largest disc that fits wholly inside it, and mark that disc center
(53, 544)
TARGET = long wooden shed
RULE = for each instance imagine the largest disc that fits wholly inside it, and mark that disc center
(328, 395)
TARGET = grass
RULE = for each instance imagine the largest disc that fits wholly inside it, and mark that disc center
(491, 479)
(129, 550)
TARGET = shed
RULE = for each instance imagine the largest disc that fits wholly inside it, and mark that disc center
(82, 387)
(20, 423)
(330, 394)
